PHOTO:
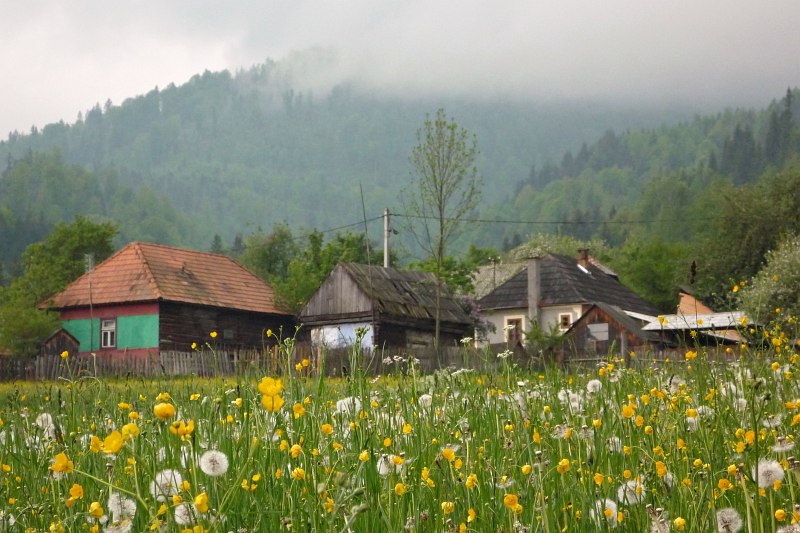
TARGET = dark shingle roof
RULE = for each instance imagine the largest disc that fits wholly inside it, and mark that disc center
(403, 293)
(142, 272)
(562, 282)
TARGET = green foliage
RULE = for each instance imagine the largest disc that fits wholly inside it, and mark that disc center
(655, 270)
(49, 266)
(749, 222)
(268, 255)
(776, 286)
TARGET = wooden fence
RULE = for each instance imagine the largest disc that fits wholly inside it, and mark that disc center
(331, 362)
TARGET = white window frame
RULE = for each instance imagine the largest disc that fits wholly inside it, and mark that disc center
(108, 333)
(561, 317)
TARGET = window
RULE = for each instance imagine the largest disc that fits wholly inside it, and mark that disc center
(565, 321)
(108, 333)
(514, 332)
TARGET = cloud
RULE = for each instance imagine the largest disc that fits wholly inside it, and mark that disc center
(67, 56)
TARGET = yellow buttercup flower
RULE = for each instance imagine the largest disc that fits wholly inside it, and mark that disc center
(164, 410)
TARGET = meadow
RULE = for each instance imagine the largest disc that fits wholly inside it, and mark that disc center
(684, 445)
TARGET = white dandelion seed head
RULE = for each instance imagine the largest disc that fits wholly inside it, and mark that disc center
(576, 403)
(767, 472)
(599, 514)
(594, 386)
(425, 401)
(7, 520)
(772, 421)
(740, 405)
(792, 528)
(386, 465)
(349, 406)
(124, 526)
(166, 484)
(631, 492)
(185, 514)
(121, 508)
(691, 424)
(783, 445)
(704, 412)
(729, 521)
(44, 420)
(675, 384)
(614, 444)
(213, 463)
(563, 395)
(728, 389)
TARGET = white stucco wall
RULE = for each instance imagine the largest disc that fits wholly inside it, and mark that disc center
(550, 316)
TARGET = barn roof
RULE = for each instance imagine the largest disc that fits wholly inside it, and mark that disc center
(402, 293)
(143, 272)
(563, 281)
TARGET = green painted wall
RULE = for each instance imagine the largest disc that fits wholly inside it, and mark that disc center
(81, 330)
(135, 331)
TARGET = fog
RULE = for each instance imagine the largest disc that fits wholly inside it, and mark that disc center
(62, 58)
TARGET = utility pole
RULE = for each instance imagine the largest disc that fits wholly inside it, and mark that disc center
(386, 238)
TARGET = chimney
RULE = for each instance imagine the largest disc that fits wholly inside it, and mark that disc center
(583, 257)
(534, 289)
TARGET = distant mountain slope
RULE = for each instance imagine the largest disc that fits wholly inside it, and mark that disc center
(238, 152)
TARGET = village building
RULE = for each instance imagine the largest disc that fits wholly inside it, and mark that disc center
(389, 307)
(148, 298)
(553, 292)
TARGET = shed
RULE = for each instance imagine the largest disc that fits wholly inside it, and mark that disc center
(391, 307)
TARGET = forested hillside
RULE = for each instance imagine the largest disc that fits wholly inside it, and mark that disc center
(224, 157)
(235, 152)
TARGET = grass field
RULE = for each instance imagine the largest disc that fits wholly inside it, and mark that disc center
(687, 445)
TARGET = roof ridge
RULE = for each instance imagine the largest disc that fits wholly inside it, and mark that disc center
(138, 250)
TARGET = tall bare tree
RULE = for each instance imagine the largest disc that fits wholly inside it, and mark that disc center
(446, 189)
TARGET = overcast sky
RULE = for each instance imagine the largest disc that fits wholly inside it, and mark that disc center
(59, 58)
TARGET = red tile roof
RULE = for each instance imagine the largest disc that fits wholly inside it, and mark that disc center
(142, 272)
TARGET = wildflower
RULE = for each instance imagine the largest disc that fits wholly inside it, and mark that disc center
(64, 354)
(563, 466)
(201, 502)
(296, 450)
(298, 474)
(166, 484)
(728, 520)
(112, 443)
(448, 507)
(526, 469)
(472, 481)
(272, 404)
(130, 431)
(164, 410)
(213, 334)
(631, 492)
(62, 464)
(184, 514)
(121, 508)
(512, 502)
(605, 509)
(679, 523)
(96, 510)
(448, 454)
(181, 428)
(270, 386)
(327, 429)
(594, 386)
(349, 406)
(213, 463)
(400, 489)
(767, 472)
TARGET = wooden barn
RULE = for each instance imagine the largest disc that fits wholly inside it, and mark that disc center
(148, 298)
(395, 308)
(605, 330)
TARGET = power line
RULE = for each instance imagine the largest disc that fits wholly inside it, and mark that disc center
(556, 222)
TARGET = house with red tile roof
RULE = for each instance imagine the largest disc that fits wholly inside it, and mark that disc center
(148, 298)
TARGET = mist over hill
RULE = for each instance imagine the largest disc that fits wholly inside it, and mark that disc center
(238, 152)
